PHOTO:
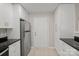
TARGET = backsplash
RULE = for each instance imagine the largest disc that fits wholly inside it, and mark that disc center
(2, 33)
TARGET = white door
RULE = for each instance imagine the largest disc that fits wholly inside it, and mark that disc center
(40, 32)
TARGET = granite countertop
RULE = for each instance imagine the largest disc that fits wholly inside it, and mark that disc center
(71, 42)
(7, 43)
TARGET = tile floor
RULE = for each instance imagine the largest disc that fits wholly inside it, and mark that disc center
(43, 52)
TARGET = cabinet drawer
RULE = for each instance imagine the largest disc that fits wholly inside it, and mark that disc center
(14, 49)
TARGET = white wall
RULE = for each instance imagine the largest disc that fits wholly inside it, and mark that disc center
(2, 33)
(42, 39)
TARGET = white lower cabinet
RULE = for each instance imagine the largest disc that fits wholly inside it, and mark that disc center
(66, 50)
(14, 49)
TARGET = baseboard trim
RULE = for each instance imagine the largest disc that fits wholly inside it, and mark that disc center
(44, 47)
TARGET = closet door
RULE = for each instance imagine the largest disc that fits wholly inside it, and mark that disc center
(40, 31)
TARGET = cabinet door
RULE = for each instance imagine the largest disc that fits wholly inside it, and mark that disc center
(14, 49)
(6, 15)
(1, 16)
(68, 50)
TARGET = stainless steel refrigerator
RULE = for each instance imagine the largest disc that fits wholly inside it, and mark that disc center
(25, 36)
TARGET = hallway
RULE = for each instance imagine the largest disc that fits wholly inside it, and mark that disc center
(43, 52)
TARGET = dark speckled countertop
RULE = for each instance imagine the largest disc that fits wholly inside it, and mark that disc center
(71, 42)
(7, 43)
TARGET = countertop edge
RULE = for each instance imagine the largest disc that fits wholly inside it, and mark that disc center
(6, 44)
(70, 44)
(9, 42)
(14, 41)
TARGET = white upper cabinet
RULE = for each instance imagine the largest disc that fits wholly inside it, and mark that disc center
(6, 15)
(64, 20)
(24, 14)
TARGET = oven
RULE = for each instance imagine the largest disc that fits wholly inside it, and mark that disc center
(4, 51)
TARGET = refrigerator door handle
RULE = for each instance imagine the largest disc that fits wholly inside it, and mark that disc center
(26, 31)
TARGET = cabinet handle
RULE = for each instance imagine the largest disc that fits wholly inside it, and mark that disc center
(35, 33)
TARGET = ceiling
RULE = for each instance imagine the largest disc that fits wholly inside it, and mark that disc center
(40, 7)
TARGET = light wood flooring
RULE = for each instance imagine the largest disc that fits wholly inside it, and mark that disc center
(43, 52)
